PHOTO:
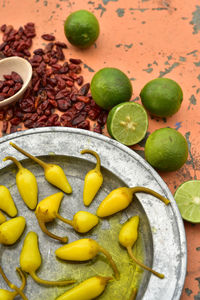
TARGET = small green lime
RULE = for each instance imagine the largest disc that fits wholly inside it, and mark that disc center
(81, 28)
(166, 149)
(162, 97)
(127, 123)
(187, 197)
(109, 87)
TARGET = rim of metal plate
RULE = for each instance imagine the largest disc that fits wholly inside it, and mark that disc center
(168, 233)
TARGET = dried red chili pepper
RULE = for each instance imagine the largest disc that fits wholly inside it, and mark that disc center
(48, 37)
(11, 84)
(55, 86)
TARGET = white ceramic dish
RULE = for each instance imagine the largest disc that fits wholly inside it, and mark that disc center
(20, 66)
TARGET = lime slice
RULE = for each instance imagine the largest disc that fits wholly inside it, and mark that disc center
(127, 123)
(187, 197)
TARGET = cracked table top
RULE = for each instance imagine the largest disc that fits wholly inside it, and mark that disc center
(146, 39)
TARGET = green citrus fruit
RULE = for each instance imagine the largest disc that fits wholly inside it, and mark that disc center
(109, 87)
(127, 123)
(166, 149)
(162, 97)
(187, 197)
(81, 28)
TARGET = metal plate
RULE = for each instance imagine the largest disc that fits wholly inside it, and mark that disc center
(161, 229)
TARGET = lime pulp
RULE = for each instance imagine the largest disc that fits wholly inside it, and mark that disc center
(127, 123)
(187, 197)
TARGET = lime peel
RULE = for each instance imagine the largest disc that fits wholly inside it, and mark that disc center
(109, 87)
(81, 28)
(162, 97)
(166, 149)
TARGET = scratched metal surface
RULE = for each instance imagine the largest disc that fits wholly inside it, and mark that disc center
(152, 38)
(163, 237)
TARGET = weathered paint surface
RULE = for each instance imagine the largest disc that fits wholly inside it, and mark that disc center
(145, 39)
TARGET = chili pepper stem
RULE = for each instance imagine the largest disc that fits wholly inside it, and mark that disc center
(108, 279)
(47, 282)
(133, 294)
(130, 252)
(37, 160)
(139, 189)
(98, 164)
(18, 164)
(45, 230)
(23, 279)
(12, 286)
(19, 290)
(69, 222)
(113, 265)
(6, 278)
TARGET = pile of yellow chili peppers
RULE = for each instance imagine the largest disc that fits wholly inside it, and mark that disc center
(47, 210)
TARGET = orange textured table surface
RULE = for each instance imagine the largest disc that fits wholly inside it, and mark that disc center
(146, 39)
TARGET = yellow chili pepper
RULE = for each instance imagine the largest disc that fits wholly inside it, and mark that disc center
(11, 230)
(53, 173)
(46, 211)
(26, 184)
(93, 180)
(84, 249)
(86, 290)
(128, 236)
(6, 202)
(30, 260)
(2, 218)
(120, 199)
(7, 295)
(82, 221)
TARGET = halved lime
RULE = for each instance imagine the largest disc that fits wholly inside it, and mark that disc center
(127, 123)
(187, 197)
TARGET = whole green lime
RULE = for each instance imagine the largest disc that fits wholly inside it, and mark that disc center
(109, 87)
(166, 149)
(81, 28)
(162, 97)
